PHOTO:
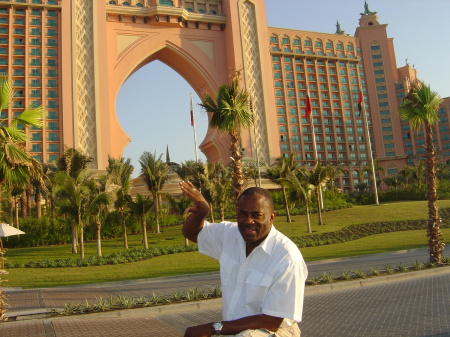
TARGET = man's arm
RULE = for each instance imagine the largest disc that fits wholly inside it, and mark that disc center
(261, 321)
(193, 224)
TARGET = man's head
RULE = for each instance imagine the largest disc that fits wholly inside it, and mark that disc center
(255, 215)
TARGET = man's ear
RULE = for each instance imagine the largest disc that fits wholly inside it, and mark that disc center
(273, 215)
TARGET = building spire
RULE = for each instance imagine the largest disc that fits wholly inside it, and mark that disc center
(339, 31)
(167, 155)
(367, 10)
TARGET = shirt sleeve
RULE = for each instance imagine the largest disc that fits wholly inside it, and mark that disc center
(211, 237)
(286, 294)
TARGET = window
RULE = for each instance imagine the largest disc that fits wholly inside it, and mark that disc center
(273, 39)
(52, 125)
(52, 115)
(53, 147)
(36, 148)
(166, 3)
(53, 137)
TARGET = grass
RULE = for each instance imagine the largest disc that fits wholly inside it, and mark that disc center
(189, 263)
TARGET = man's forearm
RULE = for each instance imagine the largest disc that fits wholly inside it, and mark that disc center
(234, 327)
(192, 225)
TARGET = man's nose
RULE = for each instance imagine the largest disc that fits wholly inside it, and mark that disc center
(247, 219)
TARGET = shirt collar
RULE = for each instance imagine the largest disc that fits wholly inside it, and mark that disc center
(267, 245)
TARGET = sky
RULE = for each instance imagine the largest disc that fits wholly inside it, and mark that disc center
(155, 114)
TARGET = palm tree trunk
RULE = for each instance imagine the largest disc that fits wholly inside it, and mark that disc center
(144, 231)
(124, 229)
(308, 220)
(157, 213)
(16, 206)
(98, 228)
(435, 245)
(319, 206)
(28, 192)
(37, 201)
(81, 241)
(238, 175)
(23, 205)
(74, 238)
(211, 211)
(286, 204)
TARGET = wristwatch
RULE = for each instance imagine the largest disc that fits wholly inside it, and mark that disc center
(218, 327)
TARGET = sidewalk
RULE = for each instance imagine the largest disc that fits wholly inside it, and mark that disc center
(172, 320)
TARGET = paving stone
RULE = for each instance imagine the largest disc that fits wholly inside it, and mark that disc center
(116, 327)
(22, 329)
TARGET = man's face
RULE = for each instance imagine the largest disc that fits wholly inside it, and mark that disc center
(254, 218)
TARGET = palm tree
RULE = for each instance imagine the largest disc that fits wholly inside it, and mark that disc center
(191, 170)
(218, 187)
(300, 190)
(420, 108)
(73, 161)
(78, 201)
(119, 182)
(319, 176)
(284, 166)
(155, 173)
(230, 113)
(14, 159)
(140, 207)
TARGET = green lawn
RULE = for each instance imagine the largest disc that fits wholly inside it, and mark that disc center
(187, 263)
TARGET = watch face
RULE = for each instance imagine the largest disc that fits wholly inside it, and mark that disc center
(217, 325)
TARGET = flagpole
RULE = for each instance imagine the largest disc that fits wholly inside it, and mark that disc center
(311, 119)
(193, 127)
(369, 142)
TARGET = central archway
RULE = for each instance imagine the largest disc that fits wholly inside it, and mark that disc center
(157, 117)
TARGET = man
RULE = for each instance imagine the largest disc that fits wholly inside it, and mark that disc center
(262, 272)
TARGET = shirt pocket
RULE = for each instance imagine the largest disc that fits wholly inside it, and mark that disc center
(257, 285)
(228, 269)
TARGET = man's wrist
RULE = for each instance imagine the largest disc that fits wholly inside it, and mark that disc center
(217, 326)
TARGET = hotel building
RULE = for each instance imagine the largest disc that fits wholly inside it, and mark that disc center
(57, 51)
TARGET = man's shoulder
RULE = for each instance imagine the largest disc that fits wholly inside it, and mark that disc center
(285, 246)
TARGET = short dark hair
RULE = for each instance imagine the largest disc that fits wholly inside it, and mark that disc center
(259, 191)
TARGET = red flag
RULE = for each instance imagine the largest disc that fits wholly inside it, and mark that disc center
(308, 105)
(192, 112)
(360, 102)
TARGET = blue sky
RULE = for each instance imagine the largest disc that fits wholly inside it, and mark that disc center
(155, 114)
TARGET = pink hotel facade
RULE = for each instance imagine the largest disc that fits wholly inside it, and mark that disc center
(72, 56)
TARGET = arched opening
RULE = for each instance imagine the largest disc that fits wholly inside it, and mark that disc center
(153, 107)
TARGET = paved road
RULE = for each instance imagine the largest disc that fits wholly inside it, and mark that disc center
(416, 306)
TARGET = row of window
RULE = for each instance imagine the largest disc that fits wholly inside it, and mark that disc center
(33, 11)
(307, 42)
(33, 62)
(38, 147)
(162, 3)
(33, 31)
(33, 51)
(32, 22)
(36, 72)
(33, 42)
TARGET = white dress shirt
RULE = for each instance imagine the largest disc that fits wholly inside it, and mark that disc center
(271, 280)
